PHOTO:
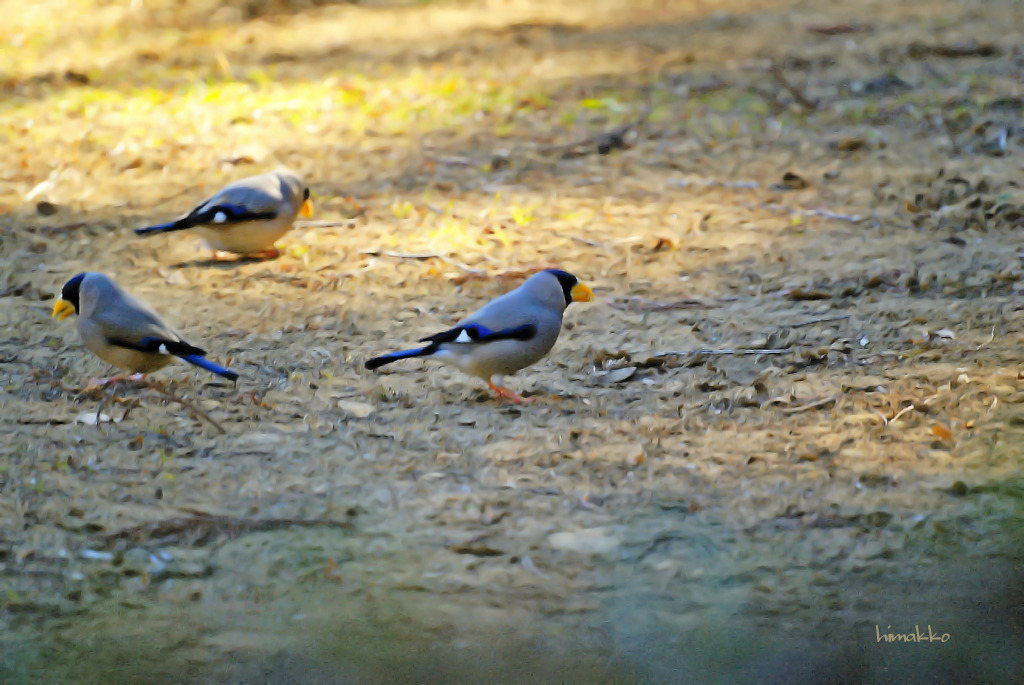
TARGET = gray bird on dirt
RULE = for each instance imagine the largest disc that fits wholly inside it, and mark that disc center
(507, 334)
(247, 216)
(123, 331)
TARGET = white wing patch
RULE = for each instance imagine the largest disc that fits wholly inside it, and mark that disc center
(220, 217)
(463, 337)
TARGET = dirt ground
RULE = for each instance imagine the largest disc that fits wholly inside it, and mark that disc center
(792, 416)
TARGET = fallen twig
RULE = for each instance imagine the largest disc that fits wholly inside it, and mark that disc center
(811, 322)
(991, 337)
(812, 405)
(655, 306)
(907, 409)
(919, 50)
(369, 266)
(828, 214)
(450, 160)
(196, 411)
(711, 183)
(347, 223)
(587, 241)
(837, 29)
(606, 141)
(713, 353)
(201, 527)
(421, 256)
(776, 71)
(132, 404)
(823, 213)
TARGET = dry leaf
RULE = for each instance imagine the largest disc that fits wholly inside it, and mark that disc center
(359, 410)
(90, 418)
(792, 181)
(611, 377)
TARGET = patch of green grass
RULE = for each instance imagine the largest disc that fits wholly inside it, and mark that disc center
(417, 101)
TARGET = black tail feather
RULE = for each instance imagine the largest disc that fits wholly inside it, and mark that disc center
(380, 361)
(179, 225)
(205, 363)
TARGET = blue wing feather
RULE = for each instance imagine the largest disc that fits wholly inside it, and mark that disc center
(205, 215)
(481, 334)
(233, 214)
(153, 344)
(204, 363)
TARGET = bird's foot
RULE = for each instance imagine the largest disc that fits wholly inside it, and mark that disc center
(511, 395)
(225, 256)
(272, 253)
(95, 383)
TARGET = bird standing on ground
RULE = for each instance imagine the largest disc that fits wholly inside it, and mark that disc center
(507, 334)
(123, 331)
(247, 216)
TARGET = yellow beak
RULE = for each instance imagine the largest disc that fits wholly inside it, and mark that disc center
(582, 293)
(62, 309)
(307, 209)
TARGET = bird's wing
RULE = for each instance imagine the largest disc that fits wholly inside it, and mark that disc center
(257, 198)
(478, 333)
(127, 322)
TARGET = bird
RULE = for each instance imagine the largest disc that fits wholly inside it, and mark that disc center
(123, 331)
(507, 334)
(247, 216)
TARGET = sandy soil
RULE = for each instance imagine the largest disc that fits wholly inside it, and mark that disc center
(792, 414)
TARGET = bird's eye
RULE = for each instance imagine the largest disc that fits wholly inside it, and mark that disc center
(305, 194)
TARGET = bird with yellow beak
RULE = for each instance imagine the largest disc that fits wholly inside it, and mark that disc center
(247, 216)
(123, 331)
(507, 334)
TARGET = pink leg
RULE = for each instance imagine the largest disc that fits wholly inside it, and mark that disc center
(272, 253)
(511, 395)
(102, 382)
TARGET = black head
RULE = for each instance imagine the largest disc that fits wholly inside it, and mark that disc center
(70, 290)
(567, 281)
